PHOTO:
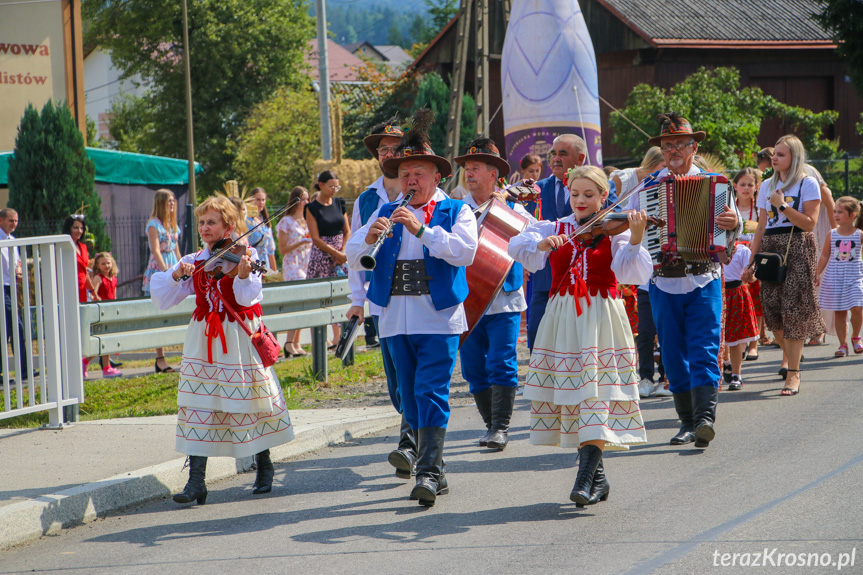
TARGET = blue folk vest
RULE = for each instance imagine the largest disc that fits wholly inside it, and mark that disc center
(515, 277)
(448, 283)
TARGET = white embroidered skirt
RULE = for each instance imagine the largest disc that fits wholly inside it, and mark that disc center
(582, 378)
(234, 406)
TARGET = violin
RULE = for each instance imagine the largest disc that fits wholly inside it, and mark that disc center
(524, 192)
(611, 224)
(227, 263)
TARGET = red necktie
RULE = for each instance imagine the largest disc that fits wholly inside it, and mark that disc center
(428, 209)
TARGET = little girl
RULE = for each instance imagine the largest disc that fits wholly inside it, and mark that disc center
(842, 286)
(581, 378)
(741, 327)
(105, 285)
(745, 185)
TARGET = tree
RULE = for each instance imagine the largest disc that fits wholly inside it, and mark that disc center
(714, 102)
(50, 174)
(441, 12)
(279, 143)
(241, 52)
(843, 20)
(434, 93)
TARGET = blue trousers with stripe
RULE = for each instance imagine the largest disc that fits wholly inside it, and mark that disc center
(488, 355)
(424, 367)
(689, 330)
(389, 368)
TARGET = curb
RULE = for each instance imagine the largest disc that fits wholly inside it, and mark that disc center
(48, 514)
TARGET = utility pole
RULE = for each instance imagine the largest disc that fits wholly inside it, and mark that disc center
(453, 128)
(190, 136)
(324, 81)
(480, 61)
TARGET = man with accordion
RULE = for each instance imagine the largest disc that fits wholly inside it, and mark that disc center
(686, 290)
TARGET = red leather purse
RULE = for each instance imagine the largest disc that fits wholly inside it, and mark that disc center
(263, 339)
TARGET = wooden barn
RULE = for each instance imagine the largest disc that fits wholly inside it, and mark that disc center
(775, 44)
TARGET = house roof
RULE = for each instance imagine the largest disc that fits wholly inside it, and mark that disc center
(343, 65)
(394, 55)
(367, 49)
(726, 23)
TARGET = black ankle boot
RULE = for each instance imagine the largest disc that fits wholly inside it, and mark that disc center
(704, 399)
(589, 457)
(264, 476)
(404, 457)
(483, 401)
(196, 487)
(431, 480)
(683, 405)
(601, 488)
(502, 404)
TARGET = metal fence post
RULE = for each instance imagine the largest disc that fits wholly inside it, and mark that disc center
(319, 352)
(847, 178)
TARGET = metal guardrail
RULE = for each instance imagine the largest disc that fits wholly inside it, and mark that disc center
(137, 324)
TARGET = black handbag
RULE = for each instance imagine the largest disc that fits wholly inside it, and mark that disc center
(772, 267)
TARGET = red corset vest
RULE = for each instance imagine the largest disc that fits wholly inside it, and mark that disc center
(209, 308)
(582, 268)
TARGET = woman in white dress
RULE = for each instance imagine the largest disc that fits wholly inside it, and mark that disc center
(230, 405)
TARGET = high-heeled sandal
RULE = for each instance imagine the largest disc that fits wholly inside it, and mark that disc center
(168, 369)
(787, 391)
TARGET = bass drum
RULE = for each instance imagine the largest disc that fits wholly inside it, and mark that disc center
(497, 224)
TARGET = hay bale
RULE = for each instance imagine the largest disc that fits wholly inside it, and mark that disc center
(354, 175)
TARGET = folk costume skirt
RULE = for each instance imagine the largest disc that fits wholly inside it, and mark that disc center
(741, 326)
(582, 378)
(230, 405)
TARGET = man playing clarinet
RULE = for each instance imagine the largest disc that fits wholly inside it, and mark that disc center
(419, 282)
(489, 360)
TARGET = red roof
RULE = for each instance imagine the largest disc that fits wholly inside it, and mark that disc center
(343, 64)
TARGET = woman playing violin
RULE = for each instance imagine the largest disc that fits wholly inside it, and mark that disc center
(581, 376)
(230, 405)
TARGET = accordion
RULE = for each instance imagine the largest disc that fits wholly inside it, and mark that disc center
(690, 242)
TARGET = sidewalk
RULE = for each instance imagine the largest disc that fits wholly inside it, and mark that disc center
(57, 479)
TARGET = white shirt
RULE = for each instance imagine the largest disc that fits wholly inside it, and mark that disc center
(734, 268)
(166, 293)
(688, 283)
(411, 314)
(807, 190)
(513, 301)
(357, 279)
(4, 259)
(630, 264)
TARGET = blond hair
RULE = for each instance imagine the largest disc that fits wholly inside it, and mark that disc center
(652, 158)
(797, 169)
(592, 173)
(852, 206)
(160, 209)
(224, 206)
(115, 271)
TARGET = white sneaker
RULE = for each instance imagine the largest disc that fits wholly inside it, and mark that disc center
(661, 391)
(645, 388)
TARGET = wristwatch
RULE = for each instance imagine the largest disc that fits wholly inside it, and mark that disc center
(782, 207)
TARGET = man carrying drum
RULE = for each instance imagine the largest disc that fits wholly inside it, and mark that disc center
(419, 283)
(488, 356)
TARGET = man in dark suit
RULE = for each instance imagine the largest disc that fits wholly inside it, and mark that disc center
(567, 151)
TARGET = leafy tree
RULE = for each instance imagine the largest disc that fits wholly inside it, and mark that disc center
(241, 52)
(714, 102)
(843, 20)
(441, 12)
(280, 142)
(50, 174)
(434, 93)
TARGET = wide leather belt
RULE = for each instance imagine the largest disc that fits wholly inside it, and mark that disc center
(733, 284)
(409, 278)
(681, 269)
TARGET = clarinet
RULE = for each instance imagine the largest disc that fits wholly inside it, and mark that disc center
(368, 260)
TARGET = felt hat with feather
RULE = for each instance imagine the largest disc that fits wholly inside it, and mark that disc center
(416, 146)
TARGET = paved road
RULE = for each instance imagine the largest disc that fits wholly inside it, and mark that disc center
(784, 474)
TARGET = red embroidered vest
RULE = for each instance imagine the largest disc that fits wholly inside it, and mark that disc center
(582, 268)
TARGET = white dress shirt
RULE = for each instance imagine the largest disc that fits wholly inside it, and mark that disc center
(356, 279)
(416, 314)
(688, 283)
(513, 301)
(630, 264)
(4, 259)
(166, 293)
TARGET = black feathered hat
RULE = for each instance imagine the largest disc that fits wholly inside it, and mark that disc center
(417, 146)
(484, 150)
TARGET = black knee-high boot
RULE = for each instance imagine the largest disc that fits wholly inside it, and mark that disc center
(196, 487)
(483, 401)
(683, 405)
(704, 399)
(502, 404)
(264, 475)
(404, 457)
(589, 457)
(431, 479)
